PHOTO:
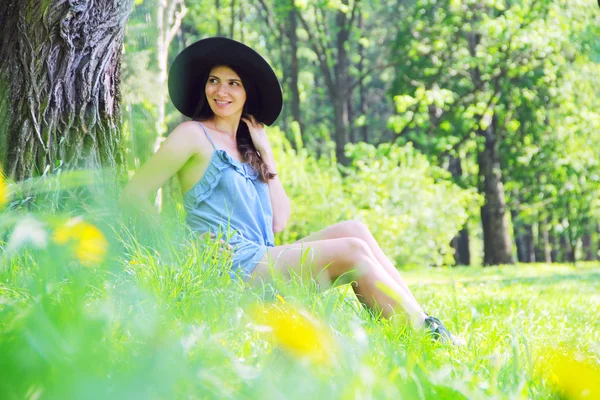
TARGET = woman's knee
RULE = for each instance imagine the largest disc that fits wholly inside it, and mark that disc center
(355, 228)
(357, 249)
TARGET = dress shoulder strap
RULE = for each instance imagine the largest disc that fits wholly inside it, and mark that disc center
(208, 136)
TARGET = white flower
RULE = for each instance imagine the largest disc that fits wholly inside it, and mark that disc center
(28, 231)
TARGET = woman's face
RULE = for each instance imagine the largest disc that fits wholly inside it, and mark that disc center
(224, 92)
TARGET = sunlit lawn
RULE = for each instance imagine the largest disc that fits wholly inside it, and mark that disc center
(149, 326)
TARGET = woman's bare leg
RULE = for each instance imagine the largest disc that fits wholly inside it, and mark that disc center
(332, 258)
(357, 229)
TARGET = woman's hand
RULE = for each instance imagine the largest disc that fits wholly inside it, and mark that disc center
(222, 244)
(258, 135)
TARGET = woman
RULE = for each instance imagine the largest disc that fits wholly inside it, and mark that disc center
(228, 175)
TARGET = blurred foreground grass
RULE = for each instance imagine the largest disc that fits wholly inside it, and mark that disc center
(92, 308)
(148, 325)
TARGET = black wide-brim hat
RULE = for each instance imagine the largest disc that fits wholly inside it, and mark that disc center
(190, 68)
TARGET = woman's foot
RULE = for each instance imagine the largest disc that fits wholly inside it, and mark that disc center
(439, 332)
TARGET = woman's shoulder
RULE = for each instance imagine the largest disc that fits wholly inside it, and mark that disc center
(186, 129)
(189, 133)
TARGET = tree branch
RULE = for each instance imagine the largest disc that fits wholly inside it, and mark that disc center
(369, 72)
(178, 18)
(321, 55)
(268, 17)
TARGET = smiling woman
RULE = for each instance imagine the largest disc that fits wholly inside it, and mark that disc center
(227, 172)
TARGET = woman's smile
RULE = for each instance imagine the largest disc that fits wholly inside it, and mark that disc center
(221, 103)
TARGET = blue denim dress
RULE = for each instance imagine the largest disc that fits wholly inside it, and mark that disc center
(232, 202)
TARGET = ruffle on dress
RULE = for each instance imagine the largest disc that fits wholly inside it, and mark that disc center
(245, 169)
(218, 163)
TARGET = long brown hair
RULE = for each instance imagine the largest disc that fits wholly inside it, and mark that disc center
(243, 139)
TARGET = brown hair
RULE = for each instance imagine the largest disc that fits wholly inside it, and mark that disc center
(244, 141)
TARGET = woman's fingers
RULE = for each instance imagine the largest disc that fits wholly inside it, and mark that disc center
(222, 243)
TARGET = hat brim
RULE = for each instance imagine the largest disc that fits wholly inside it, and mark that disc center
(193, 63)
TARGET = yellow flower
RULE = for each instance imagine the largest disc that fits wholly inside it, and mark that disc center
(90, 246)
(3, 190)
(296, 332)
(575, 377)
(280, 298)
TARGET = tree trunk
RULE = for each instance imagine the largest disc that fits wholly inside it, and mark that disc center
(523, 239)
(218, 19)
(351, 117)
(232, 25)
(362, 93)
(496, 239)
(295, 69)
(460, 243)
(568, 251)
(588, 251)
(170, 13)
(587, 247)
(543, 249)
(554, 253)
(518, 234)
(528, 243)
(341, 122)
(60, 103)
(340, 93)
(337, 81)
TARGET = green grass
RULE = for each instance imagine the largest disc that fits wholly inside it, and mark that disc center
(168, 325)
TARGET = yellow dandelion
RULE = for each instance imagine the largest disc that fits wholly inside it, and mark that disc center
(575, 377)
(280, 298)
(4, 192)
(296, 332)
(90, 245)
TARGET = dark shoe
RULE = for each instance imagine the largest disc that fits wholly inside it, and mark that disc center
(439, 332)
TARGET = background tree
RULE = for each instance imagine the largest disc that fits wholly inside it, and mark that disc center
(477, 83)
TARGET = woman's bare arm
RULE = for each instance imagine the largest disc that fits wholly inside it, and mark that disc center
(279, 199)
(175, 151)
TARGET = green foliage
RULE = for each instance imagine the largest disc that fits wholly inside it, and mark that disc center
(314, 187)
(529, 67)
(411, 207)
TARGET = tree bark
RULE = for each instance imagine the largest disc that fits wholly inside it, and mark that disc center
(337, 79)
(543, 249)
(496, 239)
(518, 235)
(362, 92)
(528, 243)
(340, 94)
(60, 103)
(232, 25)
(295, 69)
(460, 243)
(217, 19)
(170, 14)
(587, 246)
(588, 251)
(554, 253)
(524, 242)
(568, 251)
(351, 117)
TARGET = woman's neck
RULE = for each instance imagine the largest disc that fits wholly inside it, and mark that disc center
(225, 126)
